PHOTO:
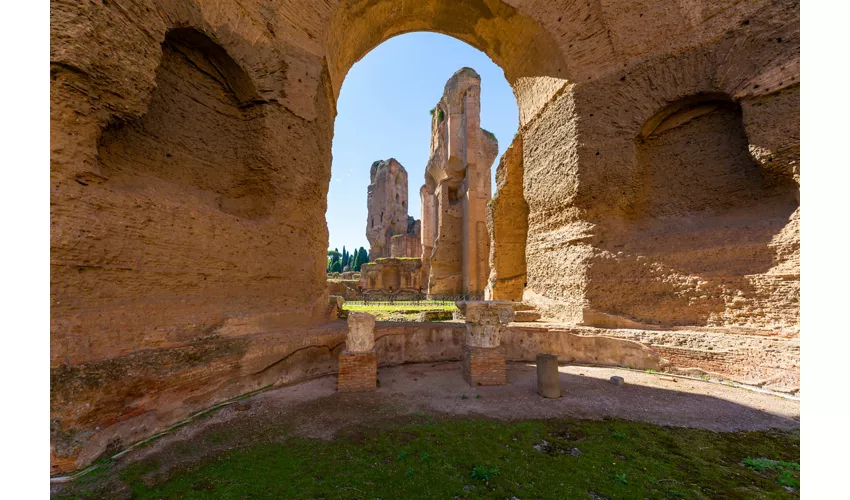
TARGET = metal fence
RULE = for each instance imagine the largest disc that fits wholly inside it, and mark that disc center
(414, 299)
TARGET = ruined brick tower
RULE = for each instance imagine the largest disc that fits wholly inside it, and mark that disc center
(455, 242)
(387, 209)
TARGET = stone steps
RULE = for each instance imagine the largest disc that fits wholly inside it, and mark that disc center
(525, 313)
(526, 316)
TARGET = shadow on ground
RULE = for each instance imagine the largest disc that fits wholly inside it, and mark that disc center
(673, 438)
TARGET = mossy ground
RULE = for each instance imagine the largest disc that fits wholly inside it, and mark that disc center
(430, 458)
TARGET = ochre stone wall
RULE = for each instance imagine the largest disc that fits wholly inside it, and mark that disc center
(405, 245)
(347, 289)
(507, 221)
(390, 275)
(190, 170)
(386, 204)
(456, 191)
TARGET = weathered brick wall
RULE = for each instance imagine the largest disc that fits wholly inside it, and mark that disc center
(358, 371)
(484, 365)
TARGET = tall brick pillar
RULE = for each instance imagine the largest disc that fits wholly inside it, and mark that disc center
(358, 363)
(483, 355)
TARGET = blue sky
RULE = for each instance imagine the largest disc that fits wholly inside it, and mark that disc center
(382, 113)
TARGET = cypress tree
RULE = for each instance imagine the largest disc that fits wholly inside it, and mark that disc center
(355, 260)
(364, 257)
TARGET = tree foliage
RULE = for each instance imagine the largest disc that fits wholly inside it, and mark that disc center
(337, 261)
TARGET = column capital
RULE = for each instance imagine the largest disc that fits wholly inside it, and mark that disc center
(484, 320)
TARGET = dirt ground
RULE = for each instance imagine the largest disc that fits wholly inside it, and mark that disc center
(315, 410)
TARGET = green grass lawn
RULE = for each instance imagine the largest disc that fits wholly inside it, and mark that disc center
(436, 459)
(408, 311)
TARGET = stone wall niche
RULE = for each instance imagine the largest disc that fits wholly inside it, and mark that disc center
(201, 93)
(700, 242)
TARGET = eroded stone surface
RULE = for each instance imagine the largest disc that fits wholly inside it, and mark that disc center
(484, 321)
(387, 218)
(169, 289)
(455, 242)
(361, 332)
(507, 222)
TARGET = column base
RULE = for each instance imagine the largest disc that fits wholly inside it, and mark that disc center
(358, 371)
(484, 366)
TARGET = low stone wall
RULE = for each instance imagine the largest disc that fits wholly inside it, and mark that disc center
(346, 289)
(100, 407)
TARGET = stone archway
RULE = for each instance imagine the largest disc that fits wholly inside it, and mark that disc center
(172, 289)
(529, 55)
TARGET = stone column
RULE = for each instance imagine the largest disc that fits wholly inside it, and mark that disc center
(483, 355)
(548, 377)
(358, 363)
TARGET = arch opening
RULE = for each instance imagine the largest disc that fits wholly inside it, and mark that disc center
(449, 148)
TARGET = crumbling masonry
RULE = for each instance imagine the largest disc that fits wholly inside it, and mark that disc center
(455, 242)
(191, 156)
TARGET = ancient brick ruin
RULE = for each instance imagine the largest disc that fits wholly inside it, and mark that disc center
(483, 354)
(455, 242)
(389, 275)
(652, 192)
(451, 239)
(393, 235)
(358, 363)
(388, 227)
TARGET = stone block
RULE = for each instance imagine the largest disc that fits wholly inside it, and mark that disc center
(361, 332)
(426, 316)
(548, 377)
(617, 380)
(484, 366)
(358, 371)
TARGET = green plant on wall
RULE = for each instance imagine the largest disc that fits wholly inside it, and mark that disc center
(440, 114)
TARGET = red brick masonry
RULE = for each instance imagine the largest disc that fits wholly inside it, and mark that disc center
(358, 371)
(484, 365)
